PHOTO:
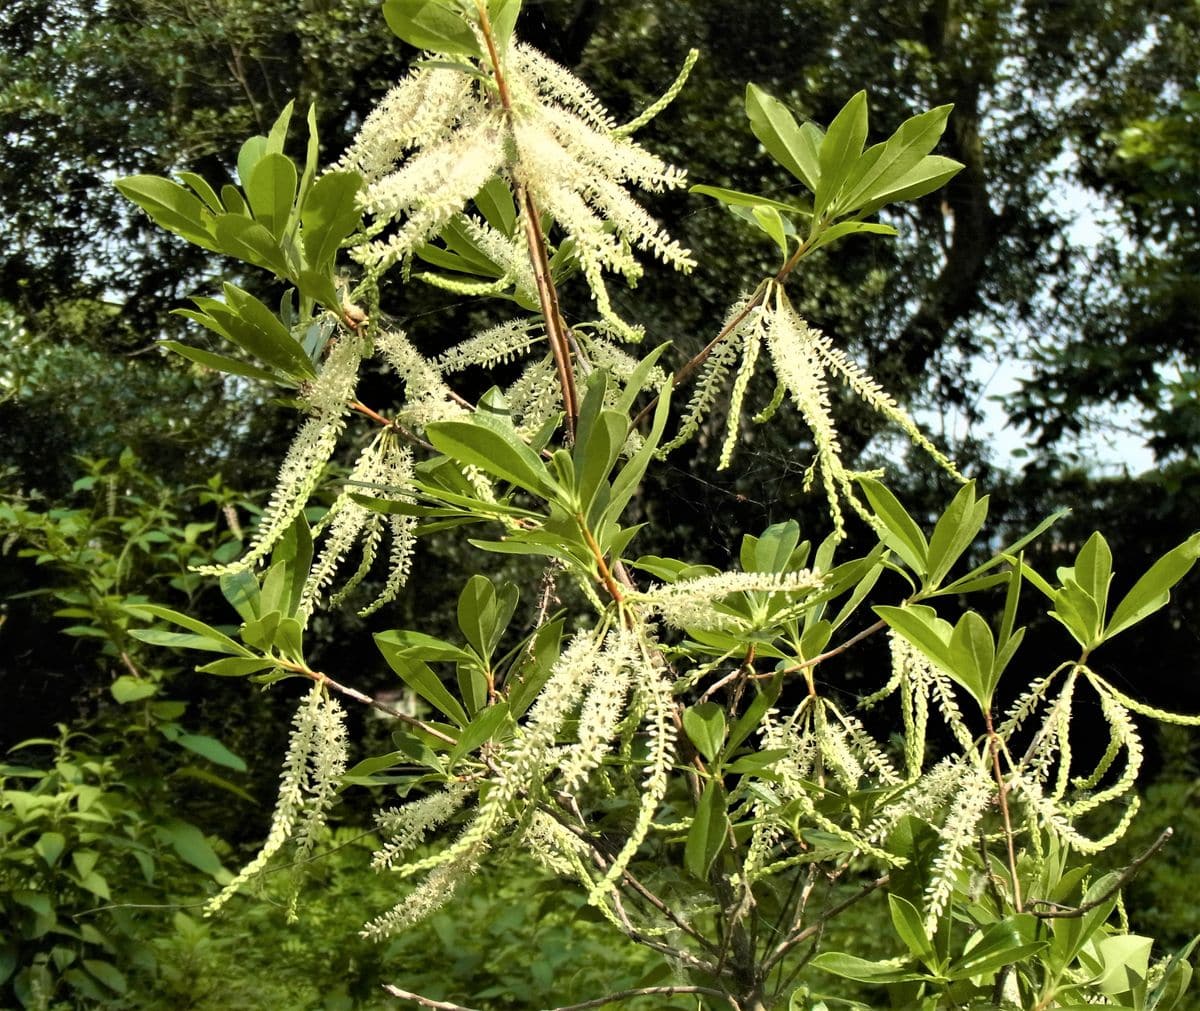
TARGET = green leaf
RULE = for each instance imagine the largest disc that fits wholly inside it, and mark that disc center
(49, 847)
(170, 206)
(794, 147)
(748, 722)
(900, 531)
(483, 614)
(495, 203)
(212, 749)
(192, 848)
(483, 727)
(844, 228)
(277, 346)
(221, 642)
(922, 627)
(249, 155)
(507, 458)
(221, 363)
(330, 214)
(204, 191)
(705, 727)
(707, 834)
(127, 688)
(840, 150)
(236, 667)
(1001, 943)
(278, 132)
(898, 156)
(910, 927)
(770, 221)
(973, 657)
(420, 678)
(240, 589)
(853, 967)
(271, 191)
(1153, 590)
(930, 173)
(251, 241)
(108, 974)
(432, 25)
(954, 532)
(736, 198)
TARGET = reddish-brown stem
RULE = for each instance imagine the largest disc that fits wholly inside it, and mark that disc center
(1002, 794)
(854, 640)
(556, 328)
(606, 576)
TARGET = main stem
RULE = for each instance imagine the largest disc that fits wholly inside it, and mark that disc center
(1002, 788)
(556, 327)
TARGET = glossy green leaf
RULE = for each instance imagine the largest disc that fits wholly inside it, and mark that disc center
(108, 974)
(248, 240)
(192, 848)
(910, 927)
(483, 727)
(1153, 590)
(770, 221)
(483, 614)
(973, 657)
(708, 831)
(506, 458)
(49, 847)
(212, 749)
(954, 532)
(736, 198)
(931, 173)
(128, 688)
(421, 679)
(794, 147)
(898, 155)
(704, 724)
(222, 363)
(330, 215)
(840, 149)
(251, 152)
(845, 228)
(863, 970)
(922, 627)
(432, 25)
(204, 191)
(271, 191)
(236, 666)
(900, 531)
(170, 206)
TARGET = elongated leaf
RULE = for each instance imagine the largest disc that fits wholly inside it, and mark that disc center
(794, 148)
(191, 846)
(483, 727)
(127, 688)
(422, 680)
(1153, 590)
(840, 150)
(954, 532)
(171, 206)
(901, 532)
(506, 458)
(910, 926)
(222, 363)
(204, 191)
(921, 626)
(863, 970)
(272, 334)
(737, 198)
(271, 191)
(705, 727)
(844, 228)
(898, 156)
(432, 25)
(251, 152)
(931, 172)
(212, 749)
(251, 241)
(191, 624)
(973, 657)
(707, 834)
(236, 667)
(330, 214)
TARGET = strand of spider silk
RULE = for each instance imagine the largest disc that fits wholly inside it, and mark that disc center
(307, 456)
(293, 781)
(326, 766)
(655, 685)
(522, 768)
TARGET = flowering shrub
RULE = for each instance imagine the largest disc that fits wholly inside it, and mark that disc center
(669, 746)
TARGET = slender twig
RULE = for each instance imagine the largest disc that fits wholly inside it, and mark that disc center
(1055, 911)
(367, 700)
(800, 936)
(1002, 794)
(439, 1005)
(854, 640)
(645, 991)
(606, 575)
